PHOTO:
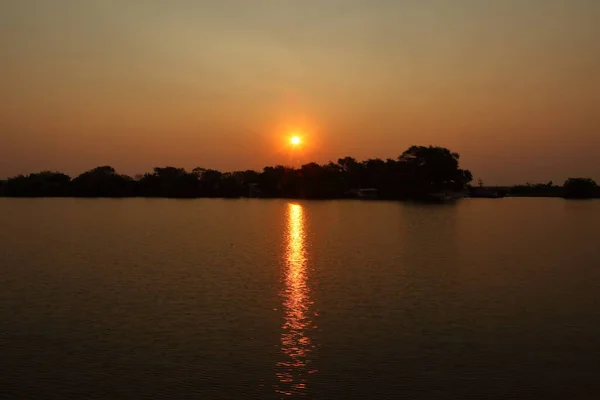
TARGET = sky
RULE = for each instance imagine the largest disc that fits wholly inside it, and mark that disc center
(511, 85)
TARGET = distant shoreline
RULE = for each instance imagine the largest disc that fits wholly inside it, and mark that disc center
(407, 200)
(420, 173)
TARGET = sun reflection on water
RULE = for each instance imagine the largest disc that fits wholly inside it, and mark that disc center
(294, 367)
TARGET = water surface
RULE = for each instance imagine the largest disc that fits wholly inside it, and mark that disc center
(208, 298)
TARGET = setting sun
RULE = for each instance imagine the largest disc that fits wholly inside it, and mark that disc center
(295, 140)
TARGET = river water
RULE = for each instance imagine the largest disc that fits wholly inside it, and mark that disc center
(226, 299)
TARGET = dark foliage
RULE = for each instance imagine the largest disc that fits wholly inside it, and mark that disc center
(101, 182)
(42, 184)
(167, 182)
(573, 188)
(417, 172)
(581, 188)
(537, 190)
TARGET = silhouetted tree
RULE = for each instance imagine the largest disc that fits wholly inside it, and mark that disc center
(275, 181)
(169, 182)
(431, 169)
(352, 172)
(536, 190)
(580, 188)
(102, 182)
(42, 184)
(210, 182)
(417, 172)
(231, 185)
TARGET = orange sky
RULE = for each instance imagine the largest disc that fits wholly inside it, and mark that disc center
(512, 85)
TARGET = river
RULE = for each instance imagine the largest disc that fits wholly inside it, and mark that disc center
(212, 298)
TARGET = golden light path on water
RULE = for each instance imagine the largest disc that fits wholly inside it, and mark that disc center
(294, 367)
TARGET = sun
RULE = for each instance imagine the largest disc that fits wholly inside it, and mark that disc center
(295, 140)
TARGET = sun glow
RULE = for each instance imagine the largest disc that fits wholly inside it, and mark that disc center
(295, 140)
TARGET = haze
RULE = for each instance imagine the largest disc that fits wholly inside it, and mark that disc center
(512, 85)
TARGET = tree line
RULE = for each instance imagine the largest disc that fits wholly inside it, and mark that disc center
(416, 173)
(573, 188)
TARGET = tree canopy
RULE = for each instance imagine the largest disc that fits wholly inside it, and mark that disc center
(580, 188)
(415, 173)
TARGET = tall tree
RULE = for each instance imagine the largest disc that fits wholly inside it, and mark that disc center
(580, 188)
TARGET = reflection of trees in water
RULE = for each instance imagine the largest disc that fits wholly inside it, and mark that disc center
(296, 345)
